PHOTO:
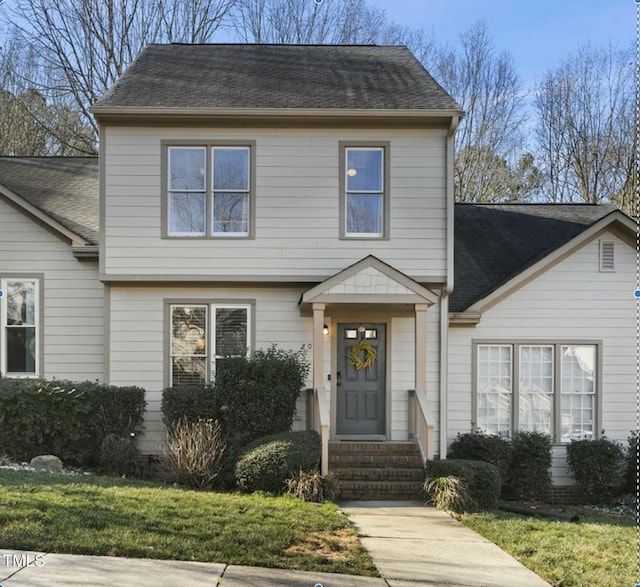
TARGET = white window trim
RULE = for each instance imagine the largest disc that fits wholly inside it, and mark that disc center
(247, 192)
(171, 191)
(210, 355)
(3, 328)
(557, 345)
(356, 235)
(209, 192)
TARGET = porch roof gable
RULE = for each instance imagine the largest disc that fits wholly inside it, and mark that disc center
(369, 281)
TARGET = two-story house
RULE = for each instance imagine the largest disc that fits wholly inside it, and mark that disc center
(302, 196)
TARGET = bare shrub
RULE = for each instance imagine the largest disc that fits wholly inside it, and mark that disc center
(193, 453)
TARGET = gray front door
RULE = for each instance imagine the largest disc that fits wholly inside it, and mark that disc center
(361, 392)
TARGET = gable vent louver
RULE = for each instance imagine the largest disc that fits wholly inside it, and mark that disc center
(607, 256)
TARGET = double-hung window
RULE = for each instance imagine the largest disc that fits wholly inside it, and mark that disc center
(364, 187)
(549, 388)
(20, 314)
(209, 191)
(202, 336)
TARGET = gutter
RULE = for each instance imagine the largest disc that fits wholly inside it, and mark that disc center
(243, 113)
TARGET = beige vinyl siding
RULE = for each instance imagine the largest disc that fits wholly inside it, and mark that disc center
(138, 344)
(72, 295)
(138, 347)
(571, 302)
(297, 205)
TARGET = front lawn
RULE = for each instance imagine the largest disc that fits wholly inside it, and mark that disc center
(104, 516)
(599, 551)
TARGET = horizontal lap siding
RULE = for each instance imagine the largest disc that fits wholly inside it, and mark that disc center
(137, 355)
(73, 296)
(138, 345)
(572, 301)
(297, 206)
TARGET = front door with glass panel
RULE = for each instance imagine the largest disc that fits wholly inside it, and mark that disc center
(361, 379)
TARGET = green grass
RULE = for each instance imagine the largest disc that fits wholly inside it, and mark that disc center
(598, 551)
(105, 516)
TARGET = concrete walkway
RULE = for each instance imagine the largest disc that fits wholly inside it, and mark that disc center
(58, 570)
(411, 544)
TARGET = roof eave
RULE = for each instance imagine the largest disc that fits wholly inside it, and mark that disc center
(69, 236)
(105, 113)
(85, 251)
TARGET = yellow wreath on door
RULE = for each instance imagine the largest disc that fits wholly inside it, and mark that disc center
(370, 355)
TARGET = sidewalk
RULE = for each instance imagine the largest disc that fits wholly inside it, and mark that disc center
(58, 570)
(410, 543)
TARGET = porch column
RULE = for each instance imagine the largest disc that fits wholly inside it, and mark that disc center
(318, 346)
(421, 347)
(321, 403)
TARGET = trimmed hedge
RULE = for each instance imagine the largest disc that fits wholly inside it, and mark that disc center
(188, 403)
(481, 480)
(530, 470)
(478, 446)
(597, 466)
(252, 397)
(633, 456)
(66, 419)
(267, 463)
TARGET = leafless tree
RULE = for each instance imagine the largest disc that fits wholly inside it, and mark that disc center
(32, 123)
(306, 22)
(584, 128)
(83, 46)
(487, 86)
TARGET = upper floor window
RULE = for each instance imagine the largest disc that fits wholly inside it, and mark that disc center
(364, 191)
(209, 191)
(549, 388)
(20, 335)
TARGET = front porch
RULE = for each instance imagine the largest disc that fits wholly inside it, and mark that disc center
(370, 332)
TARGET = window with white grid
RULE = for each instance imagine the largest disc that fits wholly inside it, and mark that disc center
(577, 380)
(536, 388)
(495, 389)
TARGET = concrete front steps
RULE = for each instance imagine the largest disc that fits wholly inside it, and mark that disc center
(377, 470)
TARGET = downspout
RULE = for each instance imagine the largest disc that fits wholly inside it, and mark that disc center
(446, 291)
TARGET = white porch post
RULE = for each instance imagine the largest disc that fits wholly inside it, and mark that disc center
(318, 383)
(318, 346)
(421, 347)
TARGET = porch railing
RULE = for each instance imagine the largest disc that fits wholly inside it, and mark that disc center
(419, 427)
(319, 419)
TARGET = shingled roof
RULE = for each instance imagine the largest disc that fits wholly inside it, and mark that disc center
(64, 188)
(232, 76)
(496, 242)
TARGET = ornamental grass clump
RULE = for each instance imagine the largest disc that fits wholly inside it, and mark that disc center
(193, 453)
(449, 493)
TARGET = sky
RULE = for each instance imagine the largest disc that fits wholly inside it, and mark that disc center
(538, 34)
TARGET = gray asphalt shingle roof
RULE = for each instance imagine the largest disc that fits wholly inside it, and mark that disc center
(496, 242)
(64, 188)
(277, 76)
